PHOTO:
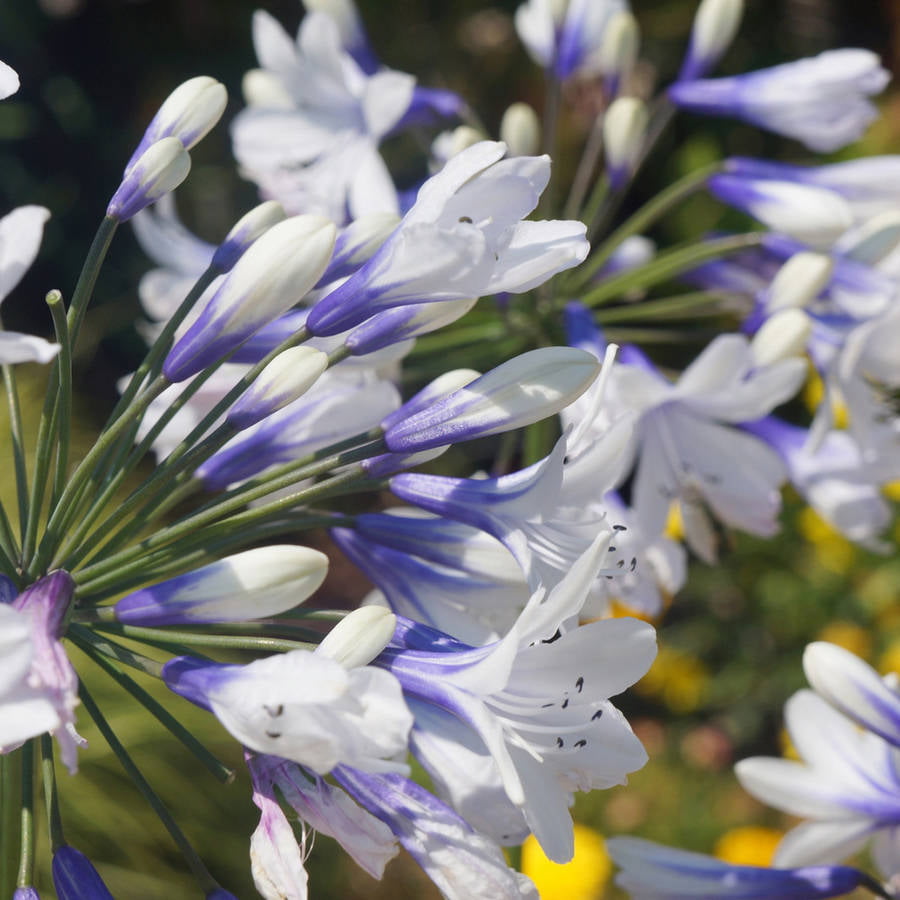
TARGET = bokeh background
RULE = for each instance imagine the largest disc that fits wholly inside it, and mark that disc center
(93, 72)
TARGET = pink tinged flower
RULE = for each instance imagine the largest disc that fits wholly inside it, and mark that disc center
(20, 238)
(38, 686)
(9, 81)
(821, 101)
(847, 784)
(463, 238)
(303, 706)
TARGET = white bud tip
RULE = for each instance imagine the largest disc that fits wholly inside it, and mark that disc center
(359, 637)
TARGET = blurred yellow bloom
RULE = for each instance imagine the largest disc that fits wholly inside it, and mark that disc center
(848, 635)
(581, 879)
(833, 551)
(788, 750)
(890, 659)
(678, 679)
(750, 845)
(814, 392)
(892, 490)
(674, 524)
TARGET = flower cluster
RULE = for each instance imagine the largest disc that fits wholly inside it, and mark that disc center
(509, 604)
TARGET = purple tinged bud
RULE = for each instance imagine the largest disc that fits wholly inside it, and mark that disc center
(432, 393)
(245, 231)
(287, 378)
(618, 50)
(158, 171)
(715, 25)
(624, 127)
(523, 390)
(358, 242)
(254, 584)
(220, 894)
(25, 893)
(273, 275)
(187, 114)
(75, 878)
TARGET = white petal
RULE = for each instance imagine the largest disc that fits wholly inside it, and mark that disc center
(19, 348)
(822, 843)
(9, 80)
(20, 239)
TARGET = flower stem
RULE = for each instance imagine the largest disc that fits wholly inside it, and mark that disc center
(199, 870)
(10, 805)
(26, 855)
(112, 650)
(675, 307)
(18, 443)
(222, 772)
(51, 794)
(202, 639)
(84, 287)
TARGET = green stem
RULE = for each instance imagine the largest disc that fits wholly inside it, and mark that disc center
(198, 869)
(64, 403)
(662, 308)
(549, 139)
(87, 279)
(586, 166)
(51, 794)
(18, 443)
(222, 772)
(10, 806)
(668, 265)
(112, 650)
(639, 221)
(26, 857)
(202, 639)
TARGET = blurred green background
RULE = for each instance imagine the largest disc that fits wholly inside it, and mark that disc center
(93, 73)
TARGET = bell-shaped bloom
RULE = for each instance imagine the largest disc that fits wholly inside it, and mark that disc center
(566, 37)
(75, 877)
(188, 114)
(38, 686)
(715, 25)
(686, 443)
(821, 101)
(846, 784)
(653, 872)
(852, 686)
(464, 237)
(155, 173)
(272, 276)
(813, 215)
(832, 477)
(523, 390)
(253, 584)
(20, 239)
(509, 730)
(303, 706)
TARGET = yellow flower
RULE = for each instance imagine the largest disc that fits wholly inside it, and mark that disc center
(848, 635)
(814, 393)
(890, 659)
(674, 524)
(677, 678)
(833, 551)
(750, 845)
(581, 879)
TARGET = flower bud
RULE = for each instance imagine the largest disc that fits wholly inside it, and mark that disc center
(246, 230)
(359, 637)
(266, 90)
(249, 585)
(523, 390)
(273, 275)
(188, 114)
(872, 241)
(520, 130)
(624, 127)
(159, 170)
(715, 25)
(781, 337)
(449, 143)
(287, 378)
(357, 242)
(799, 281)
(25, 893)
(618, 50)
(75, 877)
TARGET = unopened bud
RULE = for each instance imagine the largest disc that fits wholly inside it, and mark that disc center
(357, 242)
(159, 170)
(715, 25)
(188, 113)
(624, 127)
(618, 50)
(872, 241)
(781, 337)
(523, 390)
(359, 637)
(245, 231)
(249, 585)
(799, 281)
(287, 378)
(272, 276)
(448, 143)
(520, 130)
